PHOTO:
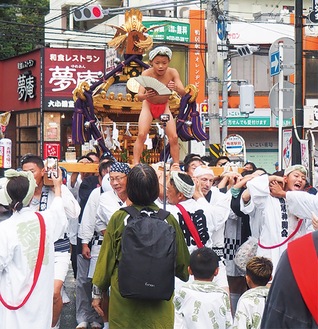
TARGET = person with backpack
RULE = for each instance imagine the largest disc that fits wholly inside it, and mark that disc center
(140, 308)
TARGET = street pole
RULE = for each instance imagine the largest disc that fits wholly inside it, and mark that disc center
(226, 62)
(280, 105)
(225, 99)
(299, 109)
(212, 81)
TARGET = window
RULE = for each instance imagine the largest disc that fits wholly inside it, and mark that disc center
(311, 69)
(254, 69)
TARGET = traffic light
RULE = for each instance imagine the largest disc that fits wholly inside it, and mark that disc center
(88, 13)
(204, 108)
(247, 99)
(247, 50)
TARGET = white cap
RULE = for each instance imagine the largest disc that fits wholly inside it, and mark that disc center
(300, 168)
(160, 51)
(203, 170)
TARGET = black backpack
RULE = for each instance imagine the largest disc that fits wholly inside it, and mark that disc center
(146, 269)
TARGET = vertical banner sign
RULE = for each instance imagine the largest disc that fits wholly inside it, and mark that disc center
(197, 52)
(287, 147)
(304, 151)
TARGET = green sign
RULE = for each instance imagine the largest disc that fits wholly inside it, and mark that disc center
(243, 122)
(169, 31)
(286, 122)
(249, 122)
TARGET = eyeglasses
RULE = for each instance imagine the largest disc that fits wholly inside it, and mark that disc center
(117, 179)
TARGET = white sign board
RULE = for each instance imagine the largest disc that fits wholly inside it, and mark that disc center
(233, 144)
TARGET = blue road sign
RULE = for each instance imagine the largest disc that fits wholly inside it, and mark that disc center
(313, 16)
(275, 66)
(221, 28)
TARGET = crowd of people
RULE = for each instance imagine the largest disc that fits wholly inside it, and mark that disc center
(84, 223)
(80, 218)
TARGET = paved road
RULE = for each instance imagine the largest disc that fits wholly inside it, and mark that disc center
(68, 320)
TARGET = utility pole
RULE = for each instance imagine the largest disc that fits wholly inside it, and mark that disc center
(226, 61)
(212, 80)
(299, 98)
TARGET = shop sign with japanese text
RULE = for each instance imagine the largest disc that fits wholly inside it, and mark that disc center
(260, 118)
(65, 69)
(26, 81)
(169, 31)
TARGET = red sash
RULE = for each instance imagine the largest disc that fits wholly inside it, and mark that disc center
(193, 230)
(286, 240)
(37, 269)
(303, 260)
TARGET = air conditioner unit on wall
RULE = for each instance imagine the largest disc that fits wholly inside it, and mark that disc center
(161, 12)
(183, 11)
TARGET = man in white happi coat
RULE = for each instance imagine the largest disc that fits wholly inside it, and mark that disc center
(201, 303)
(250, 307)
(180, 189)
(279, 225)
(19, 251)
(114, 197)
(90, 233)
(42, 199)
(219, 205)
(303, 205)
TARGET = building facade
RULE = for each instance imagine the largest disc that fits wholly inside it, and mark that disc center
(183, 29)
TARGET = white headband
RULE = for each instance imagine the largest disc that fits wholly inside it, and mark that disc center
(203, 170)
(300, 168)
(10, 173)
(186, 189)
(161, 51)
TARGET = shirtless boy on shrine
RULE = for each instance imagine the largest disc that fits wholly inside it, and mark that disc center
(154, 105)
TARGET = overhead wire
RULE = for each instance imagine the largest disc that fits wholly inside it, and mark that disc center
(158, 5)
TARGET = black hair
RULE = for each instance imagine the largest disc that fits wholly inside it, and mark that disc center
(32, 158)
(251, 164)
(184, 177)
(207, 158)
(194, 158)
(142, 185)
(203, 263)
(85, 157)
(215, 162)
(17, 189)
(104, 165)
(190, 156)
(92, 153)
(246, 172)
(106, 156)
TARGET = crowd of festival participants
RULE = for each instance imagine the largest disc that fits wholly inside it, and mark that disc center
(79, 221)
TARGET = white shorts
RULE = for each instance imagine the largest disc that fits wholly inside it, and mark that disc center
(61, 265)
